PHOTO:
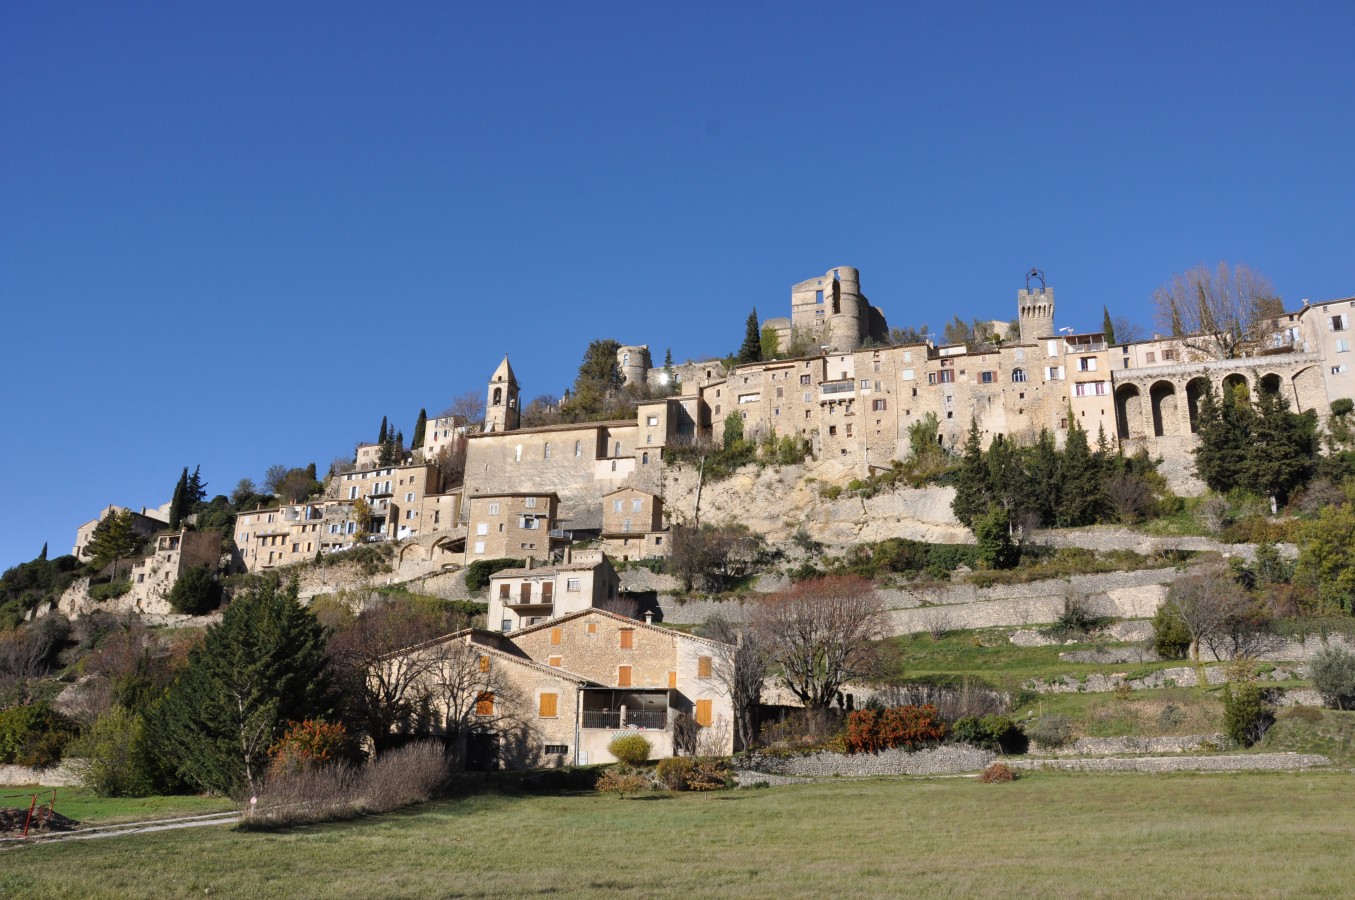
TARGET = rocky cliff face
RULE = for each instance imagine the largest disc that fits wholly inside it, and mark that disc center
(775, 501)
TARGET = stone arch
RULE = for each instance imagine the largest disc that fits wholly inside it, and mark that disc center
(498, 396)
(411, 551)
(1165, 414)
(1195, 389)
(1270, 383)
(1306, 382)
(1231, 383)
(1128, 410)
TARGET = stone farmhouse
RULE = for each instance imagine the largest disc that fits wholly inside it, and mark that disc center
(558, 692)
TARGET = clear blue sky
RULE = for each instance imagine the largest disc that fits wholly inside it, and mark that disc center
(238, 234)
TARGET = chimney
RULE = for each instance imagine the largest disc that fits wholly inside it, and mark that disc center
(530, 561)
(649, 617)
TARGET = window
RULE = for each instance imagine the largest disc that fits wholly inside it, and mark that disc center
(506, 625)
(616, 506)
(353, 492)
(555, 635)
(703, 713)
(484, 704)
(1052, 347)
(493, 509)
(592, 627)
(1053, 373)
(482, 528)
(627, 638)
(672, 680)
(832, 430)
(987, 377)
(651, 421)
(804, 379)
(525, 592)
(703, 667)
(1088, 363)
(1018, 375)
(637, 505)
(578, 449)
(1168, 355)
(865, 384)
(409, 498)
(556, 661)
(849, 429)
(1342, 346)
(503, 591)
(945, 376)
(484, 663)
(878, 405)
(644, 459)
(1340, 323)
(545, 451)
(517, 453)
(530, 503)
(908, 375)
(780, 392)
(1337, 370)
(548, 707)
(623, 676)
(1149, 357)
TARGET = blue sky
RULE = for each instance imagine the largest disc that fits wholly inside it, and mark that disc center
(238, 234)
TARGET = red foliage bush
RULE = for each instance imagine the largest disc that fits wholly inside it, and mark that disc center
(997, 773)
(309, 745)
(910, 727)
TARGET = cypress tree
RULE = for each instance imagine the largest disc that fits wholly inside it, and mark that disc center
(196, 492)
(179, 501)
(262, 666)
(1107, 326)
(1042, 478)
(43, 554)
(751, 351)
(972, 480)
(419, 427)
(381, 436)
(1080, 489)
(1282, 452)
(1224, 429)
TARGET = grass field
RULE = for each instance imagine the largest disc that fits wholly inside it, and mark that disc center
(1046, 835)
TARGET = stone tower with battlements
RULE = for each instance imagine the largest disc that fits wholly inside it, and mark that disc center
(502, 409)
(1036, 309)
(831, 312)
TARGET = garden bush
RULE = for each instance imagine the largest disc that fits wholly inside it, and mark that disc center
(674, 771)
(310, 744)
(621, 783)
(1171, 637)
(1333, 672)
(630, 749)
(117, 757)
(804, 729)
(909, 727)
(34, 735)
(990, 732)
(1246, 715)
(477, 574)
(710, 774)
(1051, 731)
(997, 773)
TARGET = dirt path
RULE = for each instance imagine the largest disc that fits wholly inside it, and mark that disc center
(122, 828)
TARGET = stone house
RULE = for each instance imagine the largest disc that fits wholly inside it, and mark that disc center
(633, 525)
(557, 693)
(510, 525)
(146, 523)
(172, 554)
(527, 596)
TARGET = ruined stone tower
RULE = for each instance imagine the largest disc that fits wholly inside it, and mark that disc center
(832, 311)
(634, 364)
(1036, 309)
(501, 403)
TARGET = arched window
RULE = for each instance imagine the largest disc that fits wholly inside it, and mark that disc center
(1018, 374)
(625, 359)
(617, 451)
(517, 453)
(546, 451)
(644, 459)
(578, 449)
(498, 396)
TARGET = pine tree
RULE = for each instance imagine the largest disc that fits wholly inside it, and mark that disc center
(1042, 479)
(1223, 426)
(261, 667)
(1282, 452)
(751, 351)
(179, 502)
(1107, 326)
(419, 427)
(1007, 482)
(971, 482)
(114, 539)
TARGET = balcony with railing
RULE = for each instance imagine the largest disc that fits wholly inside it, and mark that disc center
(833, 388)
(640, 709)
(640, 720)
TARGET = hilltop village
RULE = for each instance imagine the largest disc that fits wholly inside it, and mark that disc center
(850, 398)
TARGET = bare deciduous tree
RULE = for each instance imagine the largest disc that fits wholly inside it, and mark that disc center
(739, 666)
(1220, 615)
(451, 462)
(1127, 331)
(822, 633)
(464, 688)
(469, 408)
(1216, 313)
(712, 557)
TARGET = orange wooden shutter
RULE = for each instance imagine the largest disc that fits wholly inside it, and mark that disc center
(623, 676)
(592, 627)
(548, 705)
(557, 661)
(503, 591)
(703, 717)
(484, 706)
(627, 638)
(703, 667)
(484, 663)
(672, 679)
(555, 635)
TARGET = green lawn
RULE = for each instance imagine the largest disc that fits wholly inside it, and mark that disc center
(81, 805)
(1046, 835)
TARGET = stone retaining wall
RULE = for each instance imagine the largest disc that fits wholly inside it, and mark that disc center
(61, 775)
(1089, 746)
(952, 759)
(1251, 762)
